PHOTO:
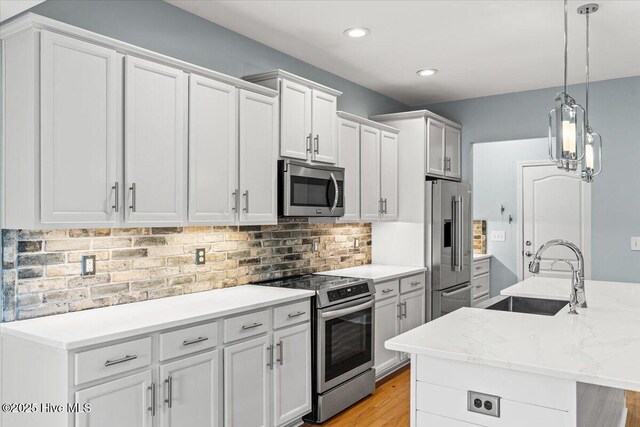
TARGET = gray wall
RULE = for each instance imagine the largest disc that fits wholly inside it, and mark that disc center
(161, 27)
(615, 113)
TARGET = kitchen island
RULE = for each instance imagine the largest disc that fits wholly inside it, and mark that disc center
(561, 370)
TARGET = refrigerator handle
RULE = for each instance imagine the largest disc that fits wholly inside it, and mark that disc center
(456, 252)
(461, 234)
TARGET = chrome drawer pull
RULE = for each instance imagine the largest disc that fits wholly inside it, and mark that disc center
(121, 360)
(415, 283)
(296, 314)
(195, 341)
(152, 408)
(255, 325)
(280, 358)
(386, 291)
(169, 399)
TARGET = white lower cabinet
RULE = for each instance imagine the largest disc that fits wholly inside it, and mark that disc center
(124, 403)
(386, 327)
(481, 281)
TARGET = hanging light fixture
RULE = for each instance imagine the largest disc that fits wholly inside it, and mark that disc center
(592, 164)
(569, 127)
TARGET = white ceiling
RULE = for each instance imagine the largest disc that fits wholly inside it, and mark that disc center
(480, 47)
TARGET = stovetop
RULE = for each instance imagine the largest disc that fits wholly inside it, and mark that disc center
(311, 282)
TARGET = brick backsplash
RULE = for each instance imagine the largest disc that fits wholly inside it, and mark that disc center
(41, 270)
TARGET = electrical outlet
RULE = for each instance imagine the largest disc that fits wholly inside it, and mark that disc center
(482, 403)
(498, 236)
(200, 256)
(635, 243)
(356, 243)
(315, 246)
(88, 265)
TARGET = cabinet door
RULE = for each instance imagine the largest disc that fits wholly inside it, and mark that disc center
(292, 374)
(386, 327)
(349, 159)
(435, 148)
(389, 175)
(412, 308)
(213, 151)
(125, 402)
(258, 158)
(246, 383)
(324, 127)
(155, 142)
(194, 397)
(369, 173)
(79, 160)
(295, 120)
(452, 152)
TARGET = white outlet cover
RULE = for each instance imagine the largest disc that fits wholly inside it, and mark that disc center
(635, 243)
(498, 236)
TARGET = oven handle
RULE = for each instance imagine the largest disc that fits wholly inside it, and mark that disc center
(354, 309)
(335, 199)
(457, 291)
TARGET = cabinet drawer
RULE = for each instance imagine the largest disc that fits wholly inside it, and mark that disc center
(481, 267)
(387, 289)
(188, 340)
(479, 299)
(291, 314)
(412, 283)
(425, 419)
(247, 325)
(480, 286)
(114, 359)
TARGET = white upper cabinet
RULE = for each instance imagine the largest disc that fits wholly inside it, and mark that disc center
(389, 175)
(258, 158)
(79, 110)
(452, 152)
(435, 148)
(213, 151)
(349, 159)
(295, 122)
(324, 107)
(155, 142)
(370, 201)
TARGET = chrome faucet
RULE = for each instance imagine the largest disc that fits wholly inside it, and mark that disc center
(578, 297)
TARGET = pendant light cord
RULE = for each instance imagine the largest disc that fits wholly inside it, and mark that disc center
(586, 110)
(566, 43)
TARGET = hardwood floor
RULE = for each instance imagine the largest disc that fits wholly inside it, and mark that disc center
(388, 406)
(633, 408)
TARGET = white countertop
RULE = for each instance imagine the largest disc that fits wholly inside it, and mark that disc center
(376, 272)
(479, 257)
(81, 328)
(601, 345)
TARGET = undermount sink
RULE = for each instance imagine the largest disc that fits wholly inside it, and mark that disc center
(544, 307)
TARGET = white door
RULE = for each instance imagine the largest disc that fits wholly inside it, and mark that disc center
(258, 159)
(555, 205)
(213, 151)
(80, 102)
(190, 386)
(386, 327)
(435, 148)
(412, 311)
(124, 403)
(452, 152)
(155, 142)
(389, 175)
(349, 159)
(246, 383)
(324, 127)
(295, 120)
(370, 203)
(292, 373)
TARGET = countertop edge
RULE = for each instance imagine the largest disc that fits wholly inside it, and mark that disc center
(409, 271)
(480, 257)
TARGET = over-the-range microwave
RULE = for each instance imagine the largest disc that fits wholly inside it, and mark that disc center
(310, 190)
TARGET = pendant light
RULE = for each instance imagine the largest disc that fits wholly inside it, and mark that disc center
(592, 164)
(569, 121)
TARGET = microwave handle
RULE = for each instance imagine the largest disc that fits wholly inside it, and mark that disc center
(335, 199)
(338, 313)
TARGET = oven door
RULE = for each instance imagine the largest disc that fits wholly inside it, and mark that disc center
(345, 342)
(311, 191)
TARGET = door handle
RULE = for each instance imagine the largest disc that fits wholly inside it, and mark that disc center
(399, 306)
(404, 309)
(194, 341)
(528, 254)
(234, 195)
(126, 358)
(246, 202)
(169, 399)
(455, 292)
(152, 408)
(335, 199)
(296, 314)
(317, 141)
(251, 326)
(338, 313)
(384, 206)
(133, 197)
(116, 203)
(280, 358)
(309, 142)
(270, 362)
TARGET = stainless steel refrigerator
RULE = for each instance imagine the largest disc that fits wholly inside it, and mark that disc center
(449, 248)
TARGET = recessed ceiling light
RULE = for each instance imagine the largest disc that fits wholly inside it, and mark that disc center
(427, 72)
(357, 32)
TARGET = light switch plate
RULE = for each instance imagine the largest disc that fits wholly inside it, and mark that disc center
(635, 243)
(498, 236)
(201, 256)
(356, 243)
(88, 265)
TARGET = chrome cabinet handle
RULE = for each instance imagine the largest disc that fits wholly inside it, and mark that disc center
(246, 203)
(116, 203)
(399, 306)
(317, 141)
(152, 408)
(335, 199)
(404, 311)
(384, 206)
(169, 399)
(133, 197)
(270, 362)
(415, 283)
(309, 142)
(280, 358)
(380, 211)
(235, 201)
(478, 286)
(126, 358)
(296, 314)
(252, 326)
(195, 341)
(386, 291)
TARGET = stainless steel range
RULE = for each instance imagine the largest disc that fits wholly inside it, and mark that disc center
(342, 341)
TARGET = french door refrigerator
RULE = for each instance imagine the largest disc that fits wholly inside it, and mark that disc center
(449, 247)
